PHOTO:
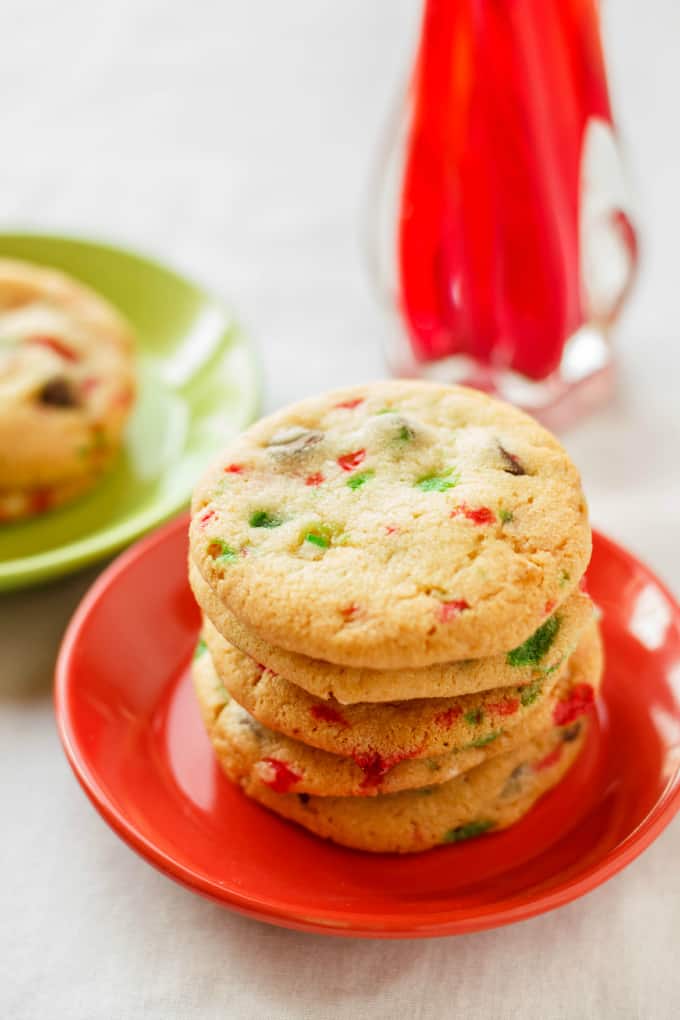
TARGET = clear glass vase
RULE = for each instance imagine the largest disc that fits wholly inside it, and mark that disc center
(504, 241)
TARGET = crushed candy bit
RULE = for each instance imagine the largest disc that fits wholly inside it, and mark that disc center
(531, 692)
(438, 483)
(317, 538)
(326, 713)
(350, 461)
(506, 516)
(234, 469)
(391, 529)
(349, 612)
(481, 515)
(483, 741)
(474, 716)
(564, 577)
(316, 479)
(550, 759)
(581, 697)
(56, 345)
(278, 775)
(508, 706)
(549, 607)
(263, 519)
(356, 481)
(206, 516)
(200, 649)
(350, 404)
(469, 831)
(535, 647)
(221, 552)
(449, 716)
(449, 610)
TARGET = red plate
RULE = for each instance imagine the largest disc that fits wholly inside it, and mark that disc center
(132, 733)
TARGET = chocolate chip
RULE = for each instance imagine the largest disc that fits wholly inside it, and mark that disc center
(303, 798)
(571, 733)
(58, 392)
(293, 440)
(512, 465)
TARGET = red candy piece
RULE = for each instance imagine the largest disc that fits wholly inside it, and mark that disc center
(326, 713)
(89, 384)
(581, 697)
(282, 776)
(391, 529)
(56, 345)
(234, 469)
(506, 707)
(549, 606)
(349, 461)
(41, 500)
(448, 717)
(482, 515)
(550, 759)
(124, 398)
(349, 612)
(206, 516)
(449, 610)
(349, 404)
(315, 479)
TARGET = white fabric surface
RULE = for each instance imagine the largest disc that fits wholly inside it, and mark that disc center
(235, 139)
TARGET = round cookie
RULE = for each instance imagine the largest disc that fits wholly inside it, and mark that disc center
(489, 797)
(287, 765)
(540, 656)
(66, 386)
(392, 525)
(376, 736)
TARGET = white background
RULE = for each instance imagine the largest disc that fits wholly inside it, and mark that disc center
(235, 139)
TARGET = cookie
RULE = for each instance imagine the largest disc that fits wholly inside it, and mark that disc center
(66, 386)
(377, 735)
(392, 525)
(542, 655)
(487, 798)
(287, 765)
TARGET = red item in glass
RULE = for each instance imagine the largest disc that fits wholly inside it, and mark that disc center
(489, 230)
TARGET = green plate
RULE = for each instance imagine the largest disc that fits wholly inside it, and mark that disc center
(199, 384)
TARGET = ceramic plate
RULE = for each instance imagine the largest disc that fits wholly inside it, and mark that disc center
(199, 385)
(131, 730)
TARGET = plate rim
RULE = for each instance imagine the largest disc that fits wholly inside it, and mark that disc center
(339, 922)
(40, 568)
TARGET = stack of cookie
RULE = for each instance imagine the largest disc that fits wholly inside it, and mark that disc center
(66, 387)
(396, 651)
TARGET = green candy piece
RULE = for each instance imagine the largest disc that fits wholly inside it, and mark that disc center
(405, 434)
(535, 647)
(438, 483)
(488, 739)
(356, 481)
(474, 716)
(227, 554)
(387, 410)
(200, 649)
(530, 693)
(263, 519)
(323, 541)
(506, 516)
(564, 577)
(469, 831)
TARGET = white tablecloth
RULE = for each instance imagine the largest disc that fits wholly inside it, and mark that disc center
(235, 139)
